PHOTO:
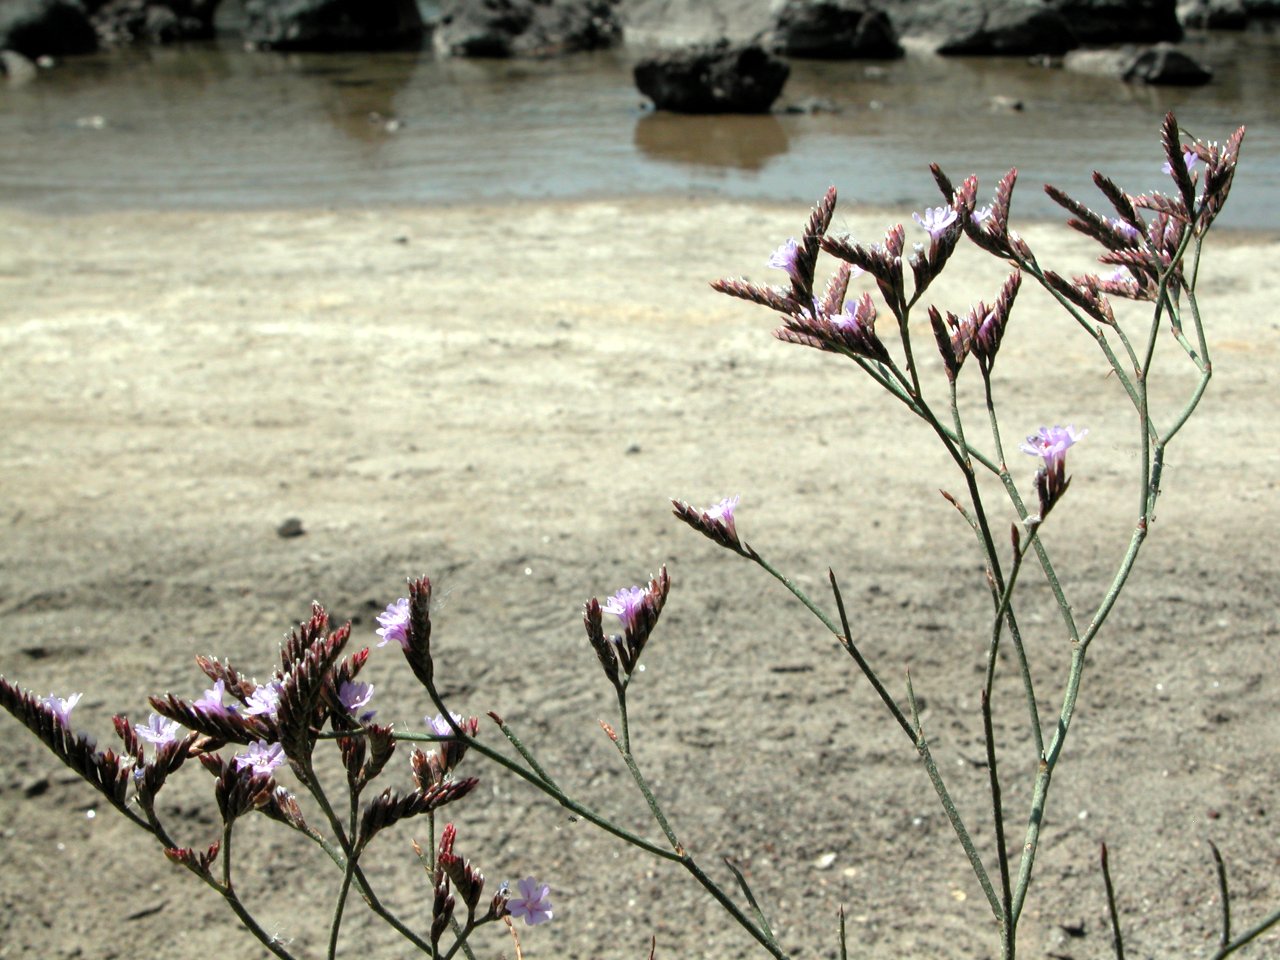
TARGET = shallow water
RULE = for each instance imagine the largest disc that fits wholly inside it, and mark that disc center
(213, 126)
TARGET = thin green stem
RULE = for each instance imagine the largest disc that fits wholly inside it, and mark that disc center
(1117, 939)
(1007, 929)
(1251, 934)
(948, 805)
(1224, 892)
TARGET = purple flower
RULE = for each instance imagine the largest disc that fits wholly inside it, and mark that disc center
(722, 512)
(848, 320)
(440, 726)
(395, 624)
(784, 258)
(353, 695)
(982, 214)
(936, 220)
(264, 701)
(62, 708)
(158, 730)
(1189, 157)
(1125, 229)
(211, 701)
(1052, 444)
(626, 605)
(263, 757)
(534, 902)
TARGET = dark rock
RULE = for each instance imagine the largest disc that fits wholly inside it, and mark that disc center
(834, 30)
(122, 22)
(716, 78)
(1166, 65)
(507, 28)
(1002, 27)
(332, 24)
(36, 28)
(1121, 21)
(1162, 64)
(290, 528)
(1214, 14)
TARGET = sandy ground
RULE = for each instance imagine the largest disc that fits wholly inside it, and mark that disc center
(504, 398)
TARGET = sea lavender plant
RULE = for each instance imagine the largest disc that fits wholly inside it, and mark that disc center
(315, 700)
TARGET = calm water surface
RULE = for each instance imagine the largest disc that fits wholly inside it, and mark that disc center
(213, 126)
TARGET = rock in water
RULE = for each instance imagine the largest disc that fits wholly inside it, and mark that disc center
(716, 78)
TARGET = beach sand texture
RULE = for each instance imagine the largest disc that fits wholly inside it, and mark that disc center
(504, 398)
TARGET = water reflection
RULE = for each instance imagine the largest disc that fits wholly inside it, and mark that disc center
(741, 142)
(213, 125)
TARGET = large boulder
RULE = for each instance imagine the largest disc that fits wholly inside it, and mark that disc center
(713, 78)
(38, 28)
(332, 24)
(506, 28)
(121, 22)
(1001, 27)
(1121, 21)
(833, 30)
(1161, 65)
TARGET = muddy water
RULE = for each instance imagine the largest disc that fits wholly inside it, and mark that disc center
(215, 126)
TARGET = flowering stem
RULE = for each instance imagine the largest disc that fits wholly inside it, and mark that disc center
(948, 805)
(347, 873)
(586, 813)
(1002, 854)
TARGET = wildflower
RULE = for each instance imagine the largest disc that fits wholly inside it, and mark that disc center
(264, 701)
(626, 605)
(533, 904)
(1052, 444)
(440, 726)
(784, 258)
(936, 220)
(211, 701)
(716, 522)
(1189, 157)
(263, 757)
(1125, 229)
(982, 214)
(722, 513)
(353, 695)
(158, 730)
(62, 708)
(395, 624)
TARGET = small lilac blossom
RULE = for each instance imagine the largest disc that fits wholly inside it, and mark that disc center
(982, 214)
(1125, 229)
(1189, 157)
(395, 624)
(1052, 444)
(784, 258)
(936, 220)
(625, 605)
(722, 512)
(263, 757)
(62, 707)
(158, 730)
(353, 695)
(440, 726)
(265, 700)
(533, 904)
(211, 701)
(848, 320)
